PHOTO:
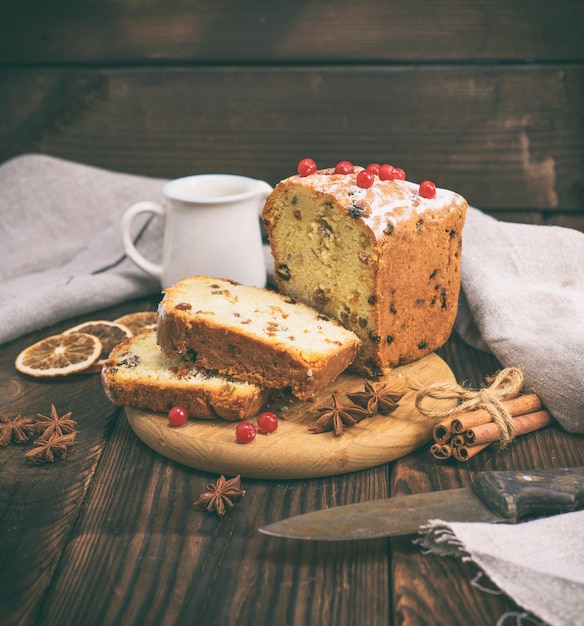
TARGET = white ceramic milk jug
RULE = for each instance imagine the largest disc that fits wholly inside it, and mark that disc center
(211, 228)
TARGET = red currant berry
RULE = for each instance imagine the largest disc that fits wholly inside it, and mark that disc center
(344, 167)
(245, 432)
(373, 167)
(427, 189)
(386, 172)
(399, 174)
(267, 422)
(177, 416)
(306, 167)
(365, 179)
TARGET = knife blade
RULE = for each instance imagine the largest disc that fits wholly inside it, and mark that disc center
(494, 497)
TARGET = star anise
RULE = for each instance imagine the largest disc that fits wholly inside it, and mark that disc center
(336, 417)
(55, 447)
(376, 399)
(17, 430)
(218, 495)
(55, 425)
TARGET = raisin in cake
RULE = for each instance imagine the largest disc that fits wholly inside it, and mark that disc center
(383, 261)
(254, 334)
(138, 374)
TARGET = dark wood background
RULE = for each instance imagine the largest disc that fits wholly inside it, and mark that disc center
(486, 98)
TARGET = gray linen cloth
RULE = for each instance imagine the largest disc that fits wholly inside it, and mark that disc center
(60, 242)
(540, 564)
(523, 299)
(61, 251)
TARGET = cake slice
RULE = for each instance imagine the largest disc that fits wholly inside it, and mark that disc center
(138, 374)
(384, 260)
(254, 334)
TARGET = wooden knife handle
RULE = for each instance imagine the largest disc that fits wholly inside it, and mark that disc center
(519, 495)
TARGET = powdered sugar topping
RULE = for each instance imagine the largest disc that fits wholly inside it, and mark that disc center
(385, 202)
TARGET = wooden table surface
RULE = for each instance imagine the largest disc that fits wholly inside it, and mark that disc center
(109, 535)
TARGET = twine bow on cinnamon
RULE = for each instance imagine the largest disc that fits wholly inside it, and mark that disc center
(504, 385)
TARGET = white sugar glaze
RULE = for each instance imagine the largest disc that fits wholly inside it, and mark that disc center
(384, 202)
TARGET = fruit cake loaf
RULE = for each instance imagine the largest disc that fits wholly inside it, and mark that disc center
(137, 373)
(383, 261)
(254, 334)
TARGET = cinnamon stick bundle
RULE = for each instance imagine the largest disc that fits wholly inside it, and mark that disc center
(466, 434)
(459, 423)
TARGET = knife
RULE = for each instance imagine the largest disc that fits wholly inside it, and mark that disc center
(497, 497)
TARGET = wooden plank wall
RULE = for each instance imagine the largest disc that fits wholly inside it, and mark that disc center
(486, 98)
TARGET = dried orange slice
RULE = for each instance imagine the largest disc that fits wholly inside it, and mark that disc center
(110, 335)
(137, 322)
(59, 355)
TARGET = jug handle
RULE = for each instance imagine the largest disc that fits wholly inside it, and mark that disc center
(130, 249)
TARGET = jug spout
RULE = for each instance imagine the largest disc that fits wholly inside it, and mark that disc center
(263, 191)
(263, 188)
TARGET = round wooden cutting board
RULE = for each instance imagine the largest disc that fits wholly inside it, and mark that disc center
(292, 451)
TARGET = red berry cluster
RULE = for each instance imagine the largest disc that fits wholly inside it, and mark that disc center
(245, 432)
(366, 177)
(386, 171)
